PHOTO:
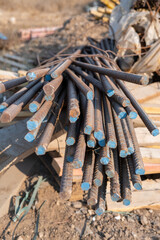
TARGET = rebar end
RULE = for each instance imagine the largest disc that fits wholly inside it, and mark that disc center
(99, 135)
(29, 137)
(126, 202)
(90, 143)
(47, 77)
(123, 153)
(90, 95)
(88, 130)
(130, 150)
(102, 143)
(122, 115)
(85, 186)
(77, 164)
(70, 158)
(140, 171)
(133, 115)
(144, 80)
(2, 108)
(110, 92)
(73, 119)
(110, 173)
(41, 150)
(99, 211)
(31, 125)
(70, 141)
(33, 107)
(137, 186)
(115, 197)
(112, 144)
(126, 103)
(155, 132)
(104, 160)
(31, 76)
(97, 182)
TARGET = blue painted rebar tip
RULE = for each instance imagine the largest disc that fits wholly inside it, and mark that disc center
(127, 102)
(2, 108)
(123, 154)
(31, 125)
(115, 197)
(111, 144)
(88, 130)
(110, 92)
(41, 150)
(110, 173)
(155, 132)
(122, 115)
(70, 158)
(77, 164)
(70, 141)
(102, 143)
(48, 98)
(33, 107)
(98, 182)
(138, 186)
(104, 160)
(31, 76)
(85, 186)
(73, 119)
(29, 137)
(99, 135)
(47, 77)
(99, 211)
(126, 202)
(90, 95)
(130, 150)
(140, 171)
(133, 115)
(91, 143)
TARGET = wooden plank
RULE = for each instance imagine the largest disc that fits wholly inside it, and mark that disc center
(149, 197)
(151, 108)
(11, 181)
(145, 138)
(7, 75)
(58, 144)
(145, 93)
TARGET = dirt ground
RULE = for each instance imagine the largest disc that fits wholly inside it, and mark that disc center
(64, 220)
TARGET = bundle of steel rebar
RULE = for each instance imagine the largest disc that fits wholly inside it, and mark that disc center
(100, 134)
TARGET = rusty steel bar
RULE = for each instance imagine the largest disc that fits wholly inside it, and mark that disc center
(17, 95)
(88, 170)
(71, 134)
(5, 86)
(102, 142)
(136, 179)
(91, 141)
(120, 111)
(73, 102)
(109, 168)
(70, 152)
(36, 73)
(31, 136)
(92, 196)
(37, 102)
(148, 123)
(39, 116)
(51, 87)
(128, 138)
(98, 172)
(101, 205)
(128, 77)
(98, 122)
(114, 181)
(62, 67)
(109, 125)
(136, 156)
(122, 146)
(104, 155)
(89, 117)
(121, 100)
(12, 111)
(80, 150)
(81, 85)
(50, 127)
(88, 77)
(125, 182)
(131, 112)
(66, 180)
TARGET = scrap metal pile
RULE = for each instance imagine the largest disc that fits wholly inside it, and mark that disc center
(100, 137)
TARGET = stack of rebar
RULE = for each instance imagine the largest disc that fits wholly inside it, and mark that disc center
(89, 86)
